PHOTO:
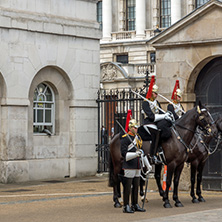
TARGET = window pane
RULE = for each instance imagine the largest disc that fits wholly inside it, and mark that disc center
(131, 11)
(48, 95)
(34, 117)
(48, 116)
(200, 2)
(165, 16)
(40, 105)
(99, 14)
(48, 105)
(39, 116)
(122, 58)
(41, 88)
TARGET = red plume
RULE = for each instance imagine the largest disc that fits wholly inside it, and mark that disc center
(177, 86)
(149, 93)
(128, 118)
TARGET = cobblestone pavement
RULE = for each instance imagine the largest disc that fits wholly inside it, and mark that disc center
(90, 199)
(207, 215)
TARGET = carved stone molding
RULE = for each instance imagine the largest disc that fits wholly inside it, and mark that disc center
(109, 72)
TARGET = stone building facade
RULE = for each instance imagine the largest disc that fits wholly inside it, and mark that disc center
(173, 40)
(49, 77)
(134, 50)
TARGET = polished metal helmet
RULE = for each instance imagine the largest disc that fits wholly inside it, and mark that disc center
(133, 123)
(179, 92)
(155, 88)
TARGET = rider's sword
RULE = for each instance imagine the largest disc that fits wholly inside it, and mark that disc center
(147, 100)
(171, 102)
(146, 185)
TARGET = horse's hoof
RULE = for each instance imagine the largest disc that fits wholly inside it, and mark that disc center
(142, 199)
(117, 205)
(201, 199)
(195, 200)
(179, 204)
(141, 193)
(167, 205)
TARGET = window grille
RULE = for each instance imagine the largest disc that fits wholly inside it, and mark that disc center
(43, 110)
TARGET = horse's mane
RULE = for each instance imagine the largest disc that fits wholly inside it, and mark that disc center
(184, 116)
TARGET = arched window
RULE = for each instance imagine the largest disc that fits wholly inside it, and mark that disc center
(43, 110)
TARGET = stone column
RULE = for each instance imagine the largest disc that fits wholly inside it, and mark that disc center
(156, 19)
(175, 11)
(107, 19)
(191, 6)
(140, 18)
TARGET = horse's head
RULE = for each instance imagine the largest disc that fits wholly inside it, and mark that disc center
(205, 121)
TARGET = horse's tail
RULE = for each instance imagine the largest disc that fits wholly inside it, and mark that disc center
(111, 172)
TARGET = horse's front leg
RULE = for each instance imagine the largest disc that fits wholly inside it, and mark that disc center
(199, 180)
(141, 187)
(193, 171)
(158, 169)
(177, 174)
(170, 170)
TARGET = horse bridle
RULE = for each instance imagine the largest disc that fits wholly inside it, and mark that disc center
(206, 126)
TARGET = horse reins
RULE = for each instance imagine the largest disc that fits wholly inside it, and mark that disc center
(201, 118)
(208, 147)
(180, 138)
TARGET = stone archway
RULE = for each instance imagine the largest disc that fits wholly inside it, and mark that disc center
(51, 155)
(208, 85)
(209, 91)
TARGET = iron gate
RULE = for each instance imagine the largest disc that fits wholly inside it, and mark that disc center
(113, 105)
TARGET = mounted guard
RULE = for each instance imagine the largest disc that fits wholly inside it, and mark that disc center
(175, 106)
(156, 123)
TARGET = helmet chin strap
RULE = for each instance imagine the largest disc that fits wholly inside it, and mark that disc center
(133, 131)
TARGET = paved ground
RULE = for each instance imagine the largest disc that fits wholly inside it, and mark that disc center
(90, 199)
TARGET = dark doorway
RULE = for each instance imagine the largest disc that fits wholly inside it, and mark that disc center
(208, 90)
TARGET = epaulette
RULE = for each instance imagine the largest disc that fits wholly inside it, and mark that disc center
(124, 135)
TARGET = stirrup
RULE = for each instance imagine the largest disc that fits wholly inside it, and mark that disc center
(156, 161)
(162, 157)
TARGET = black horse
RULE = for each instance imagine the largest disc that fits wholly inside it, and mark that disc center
(175, 151)
(198, 156)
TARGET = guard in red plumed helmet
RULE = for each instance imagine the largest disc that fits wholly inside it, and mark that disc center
(131, 144)
(175, 107)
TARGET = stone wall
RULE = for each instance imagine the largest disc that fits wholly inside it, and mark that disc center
(40, 44)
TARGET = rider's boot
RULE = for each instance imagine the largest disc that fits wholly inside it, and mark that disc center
(155, 134)
(127, 182)
(146, 163)
(134, 198)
